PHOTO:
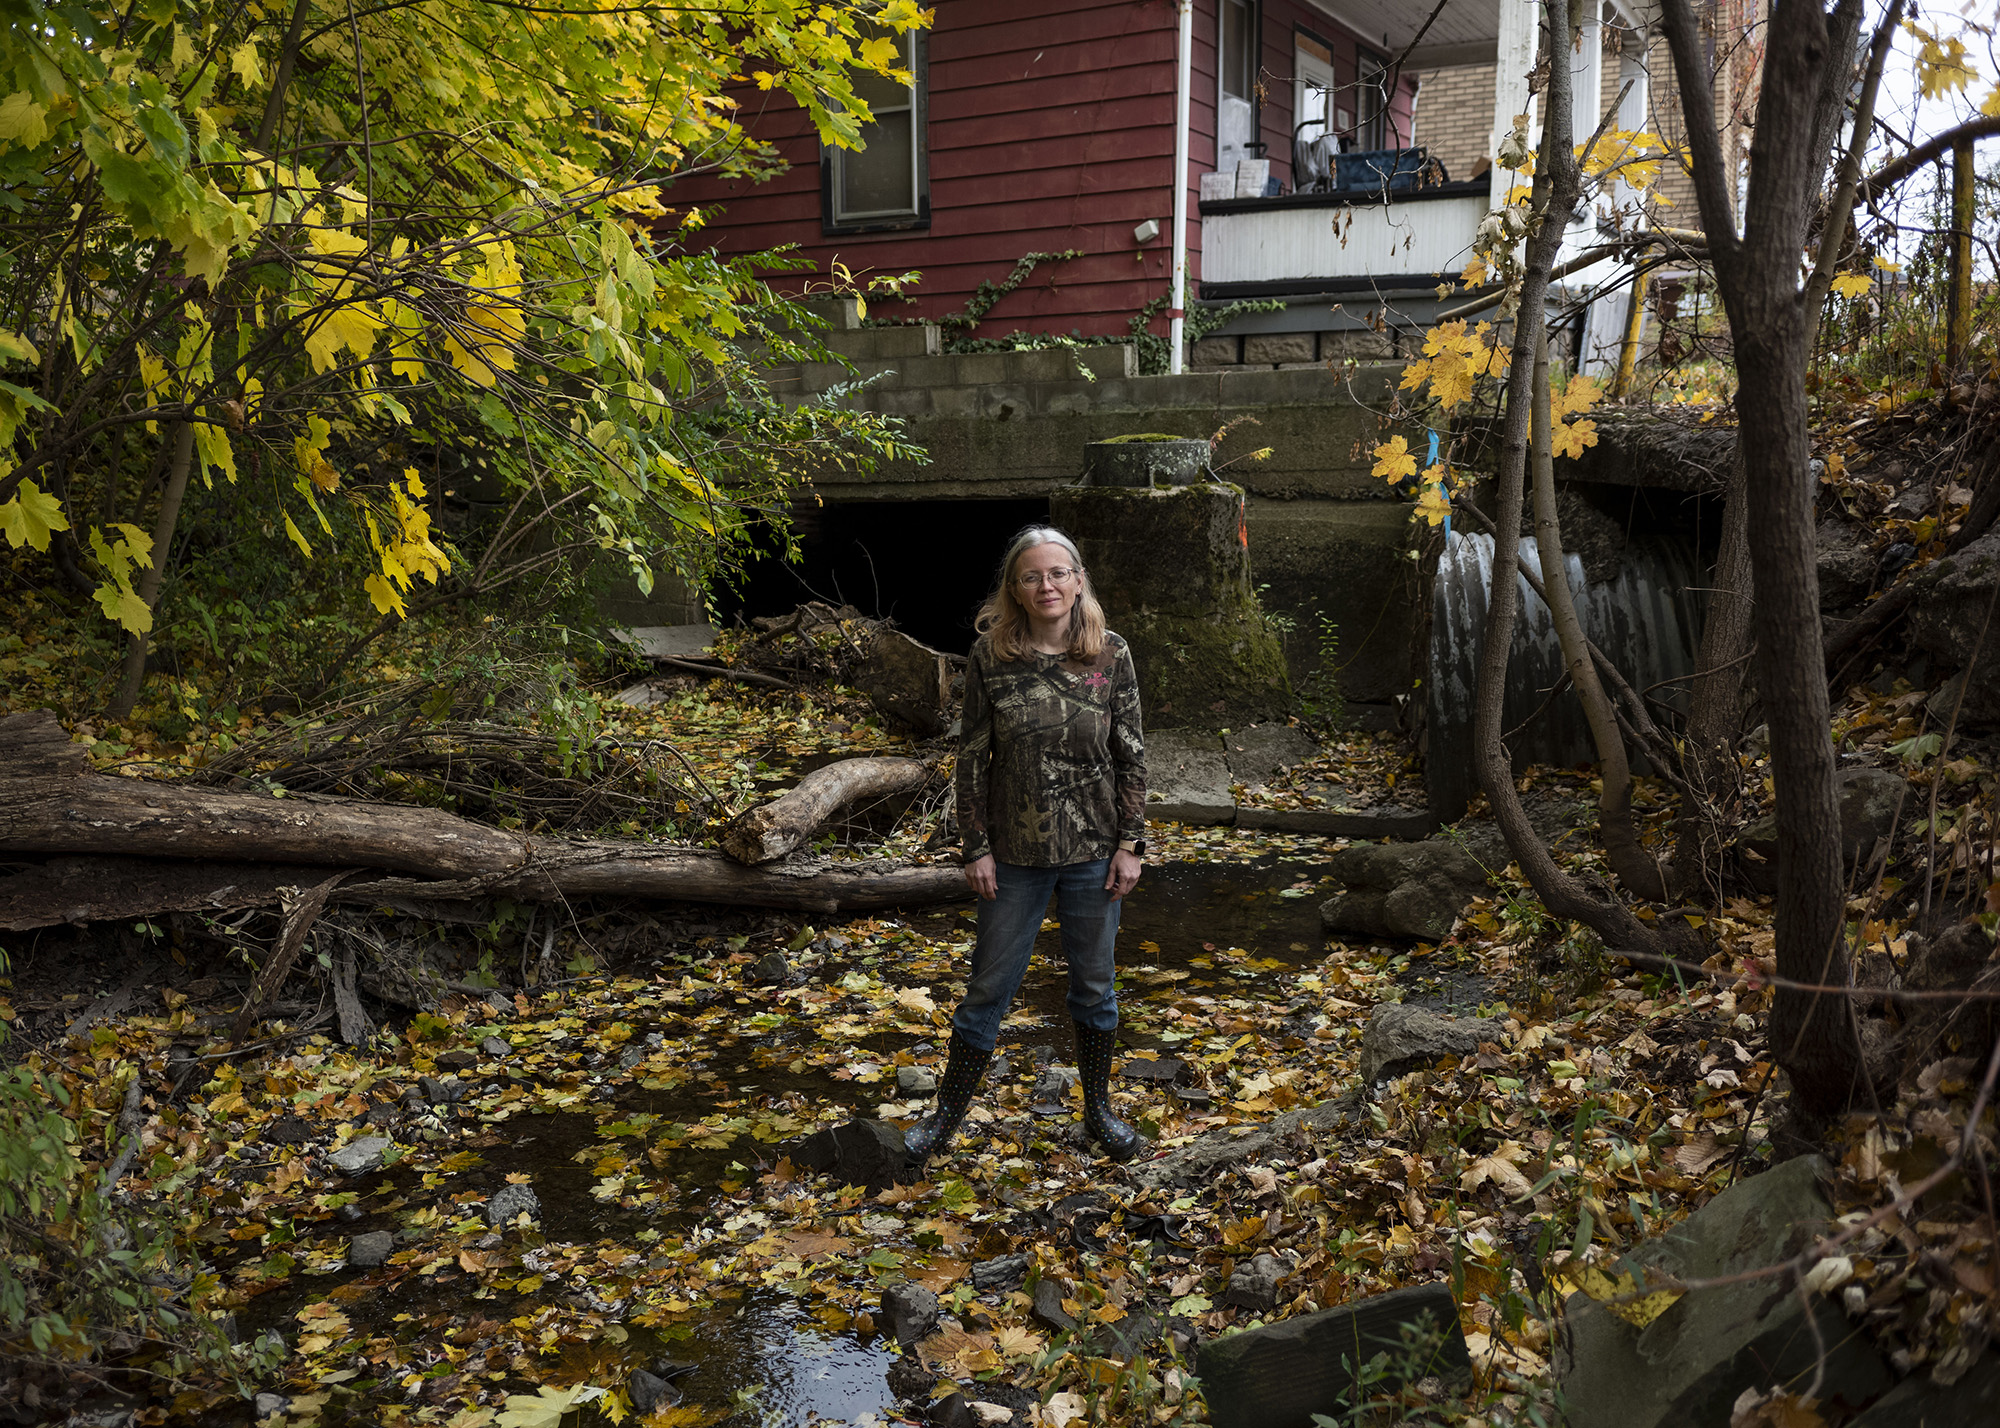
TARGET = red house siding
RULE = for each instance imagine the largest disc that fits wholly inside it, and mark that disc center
(1051, 126)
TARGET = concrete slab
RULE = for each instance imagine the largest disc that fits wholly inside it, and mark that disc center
(668, 641)
(1187, 778)
(1258, 751)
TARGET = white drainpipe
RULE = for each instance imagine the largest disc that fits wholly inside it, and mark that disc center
(1177, 303)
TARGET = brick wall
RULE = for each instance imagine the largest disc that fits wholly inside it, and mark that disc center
(1454, 116)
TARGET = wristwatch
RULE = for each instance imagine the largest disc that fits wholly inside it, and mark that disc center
(1135, 846)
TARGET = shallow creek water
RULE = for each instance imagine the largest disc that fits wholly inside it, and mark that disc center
(1226, 937)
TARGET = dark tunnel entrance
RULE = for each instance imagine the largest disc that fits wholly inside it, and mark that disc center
(924, 564)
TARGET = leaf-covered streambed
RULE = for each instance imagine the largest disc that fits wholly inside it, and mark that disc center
(648, 1110)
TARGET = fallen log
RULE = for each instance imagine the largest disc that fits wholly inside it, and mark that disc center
(96, 846)
(769, 831)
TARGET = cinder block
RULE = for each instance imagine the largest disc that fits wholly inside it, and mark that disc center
(1063, 401)
(818, 376)
(1048, 364)
(881, 343)
(1254, 387)
(930, 371)
(1360, 343)
(977, 369)
(954, 401)
(1268, 349)
(1121, 360)
(1216, 352)
(1004, 403)
(903, 401)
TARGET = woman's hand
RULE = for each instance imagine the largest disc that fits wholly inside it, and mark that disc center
(979, 872)
(1124, 874)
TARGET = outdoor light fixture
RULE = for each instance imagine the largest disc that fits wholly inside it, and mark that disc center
(1146, 232)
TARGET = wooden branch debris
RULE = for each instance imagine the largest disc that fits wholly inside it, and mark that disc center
(771, 830)
(90, 846)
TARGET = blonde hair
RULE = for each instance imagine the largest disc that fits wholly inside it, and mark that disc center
(1005, 619)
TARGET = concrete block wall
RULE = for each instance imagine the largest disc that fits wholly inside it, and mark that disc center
(1280, 350)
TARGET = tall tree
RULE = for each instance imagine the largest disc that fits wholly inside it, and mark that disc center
(1809, 61)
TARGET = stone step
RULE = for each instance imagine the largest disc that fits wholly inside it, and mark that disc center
(871, 344)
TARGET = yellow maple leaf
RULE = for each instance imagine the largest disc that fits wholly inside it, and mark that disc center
(31, 516)
(22, 121)
(1434, 505)
(1393, 460)
(1620, 1294)
(1580, 394)
(384, 595)
(1570, 438)
(1850, 285)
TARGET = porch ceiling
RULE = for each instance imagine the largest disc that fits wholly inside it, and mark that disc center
(1466, 32)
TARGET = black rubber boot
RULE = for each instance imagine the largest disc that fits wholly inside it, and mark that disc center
(1093, 1063)
(962, 1074)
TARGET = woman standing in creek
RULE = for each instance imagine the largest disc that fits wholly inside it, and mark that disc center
(1051, 799)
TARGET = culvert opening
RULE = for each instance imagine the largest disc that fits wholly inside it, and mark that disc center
(924, 564)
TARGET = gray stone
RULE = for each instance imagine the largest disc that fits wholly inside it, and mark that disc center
(504, 1204)
(371, 1250)
(770, 969)
(909, 1312)
(1402, 890)
(1054, 1083)
(1953, 597)
(1260, 751)
(916, 1080)
(441, 1090)
(1176, 564)
(1216, 352)
(1361, 344)
(1869, 800)
(858, 1152)
(650, 1393)
(1048, 1310)
(270, 1403)
(1254, 1286)
(1166, 1071)
(1280, 1375)
(668, 641)
(1145, 461)
(1270, 348)
(1187, 778)
(951, 1411)
(631, 1056)
(360, 1156)
(1690, 1364)
(497, 1046)
(1846, 566)
(1009, 1271)
(909, 1380)
(1400, 1038)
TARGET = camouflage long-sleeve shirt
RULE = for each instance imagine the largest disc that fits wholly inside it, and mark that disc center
(1052, 762)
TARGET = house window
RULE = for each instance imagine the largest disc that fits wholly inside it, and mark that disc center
(1373, 130)
(1236, 79)
(885, 185)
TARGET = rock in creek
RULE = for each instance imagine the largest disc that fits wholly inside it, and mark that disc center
(1009, 1271)
(1048, 1308)
(909, 1312)
(1400, 1038)
(360, 1156)
(509, 1201)
(858, 1152)
(1165, 1072)
(650, 1393)
(1280, 1375)
(1402, 889)
(1207, 1155)
(497, 1046)
(1690, 1364)
(1867, 799)
(371, 1250)
(916, 1080)
(770, 969)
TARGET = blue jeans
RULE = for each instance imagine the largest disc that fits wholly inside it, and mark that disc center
(1006, 939)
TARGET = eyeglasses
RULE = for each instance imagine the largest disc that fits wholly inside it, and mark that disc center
(1061, 575)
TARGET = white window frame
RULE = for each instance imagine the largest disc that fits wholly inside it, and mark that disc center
(838, 217)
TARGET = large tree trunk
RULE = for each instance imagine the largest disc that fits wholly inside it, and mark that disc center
(160, 846)
(771, 830)
(1770, 327)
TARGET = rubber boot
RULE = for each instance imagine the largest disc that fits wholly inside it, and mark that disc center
(1093, 1063)
(962, 1074)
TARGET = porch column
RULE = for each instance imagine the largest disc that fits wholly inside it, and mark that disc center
(1514, 57)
